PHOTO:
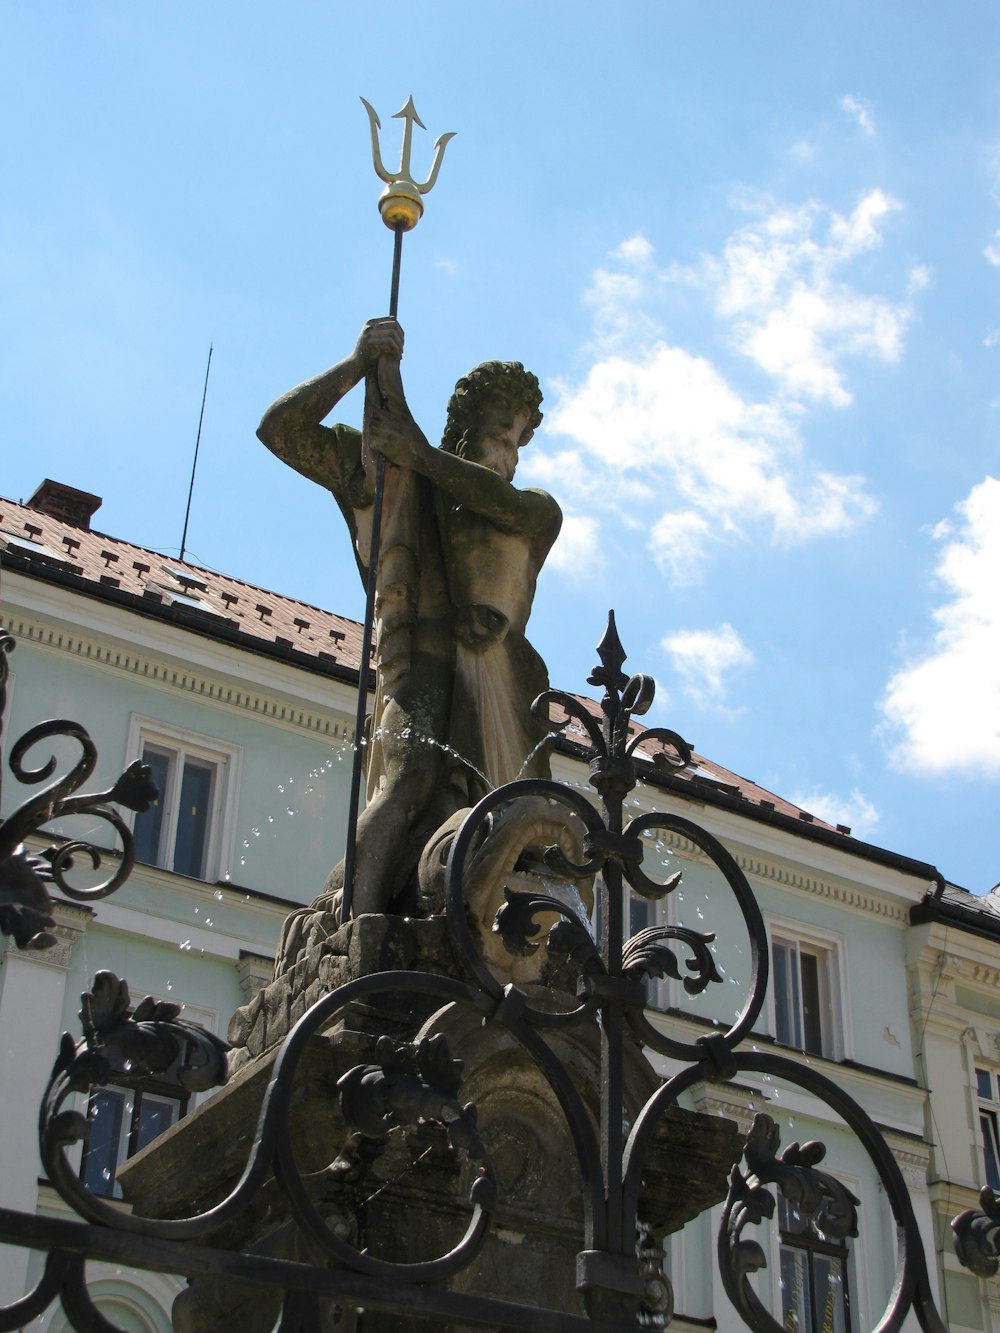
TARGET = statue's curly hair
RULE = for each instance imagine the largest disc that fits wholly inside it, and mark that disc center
(506, 381)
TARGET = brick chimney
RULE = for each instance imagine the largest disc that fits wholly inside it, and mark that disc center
(65, 503)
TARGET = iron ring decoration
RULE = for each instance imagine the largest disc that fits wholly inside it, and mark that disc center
(20, 1313)
(271, 1146)
(482, 1195)
(759, 958)
(911, 1287)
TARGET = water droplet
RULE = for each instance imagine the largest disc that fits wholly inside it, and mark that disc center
(270, 819)
(186, 945)
(281, 786)
(208, 922)
(243, 860)
(289, 810)
(217, 895)
(225, 879)
(170, 985)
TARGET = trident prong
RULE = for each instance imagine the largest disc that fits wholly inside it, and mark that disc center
(400, 205)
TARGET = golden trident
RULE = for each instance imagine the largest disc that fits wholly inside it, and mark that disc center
(401, 206)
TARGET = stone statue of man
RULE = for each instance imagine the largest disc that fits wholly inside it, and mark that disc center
(460, 552)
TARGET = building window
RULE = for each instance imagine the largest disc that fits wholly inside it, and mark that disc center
(188, 828)
(988, 1088)
(123, 1119)
(802, 983)
(813, 1276)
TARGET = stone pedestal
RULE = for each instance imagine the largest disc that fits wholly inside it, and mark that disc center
(406, 1200)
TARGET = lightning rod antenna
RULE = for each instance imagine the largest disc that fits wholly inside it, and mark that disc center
(197, 442)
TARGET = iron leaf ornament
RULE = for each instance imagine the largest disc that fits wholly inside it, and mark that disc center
(977, 1235)
(816, 1196)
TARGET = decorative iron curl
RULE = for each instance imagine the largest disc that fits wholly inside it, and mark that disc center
(127, 1045)
(49, 1286)
(725, 862)
(795, 1175)
(25, 903)
(134, 789)
(152, 1038)
(514, 921)
(510, 1009)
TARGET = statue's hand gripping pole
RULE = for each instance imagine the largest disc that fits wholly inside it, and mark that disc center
(401, 207)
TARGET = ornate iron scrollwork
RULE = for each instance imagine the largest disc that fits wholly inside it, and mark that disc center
(413, 1088)
(25, 903)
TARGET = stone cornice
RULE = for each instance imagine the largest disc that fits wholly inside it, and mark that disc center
(950, 967)
(790, 876)
(912, 1157)
(136, 662)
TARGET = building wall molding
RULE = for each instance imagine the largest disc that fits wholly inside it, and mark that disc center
(134, 662)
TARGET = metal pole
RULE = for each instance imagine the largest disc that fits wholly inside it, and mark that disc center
(201, 418)
(354, 802)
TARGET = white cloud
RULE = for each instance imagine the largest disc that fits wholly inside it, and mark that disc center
(577, 552)
(854, 810)
(992, 251)
(672, 420)
(945, 705)
(780, 281)
(668, 444)
(704, 659)
(861, 112)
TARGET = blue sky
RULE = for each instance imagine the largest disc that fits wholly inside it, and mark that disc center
(752, 252)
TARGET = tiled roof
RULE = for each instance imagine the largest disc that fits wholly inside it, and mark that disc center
(212, 604)
(703, 776)
(166, 588)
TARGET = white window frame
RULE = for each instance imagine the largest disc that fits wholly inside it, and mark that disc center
(989, 1108)
(828, 948)
(226, 759)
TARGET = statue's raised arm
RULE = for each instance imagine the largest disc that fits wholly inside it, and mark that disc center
(292, 427)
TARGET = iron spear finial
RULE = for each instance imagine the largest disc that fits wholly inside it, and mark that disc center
(401, 205)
